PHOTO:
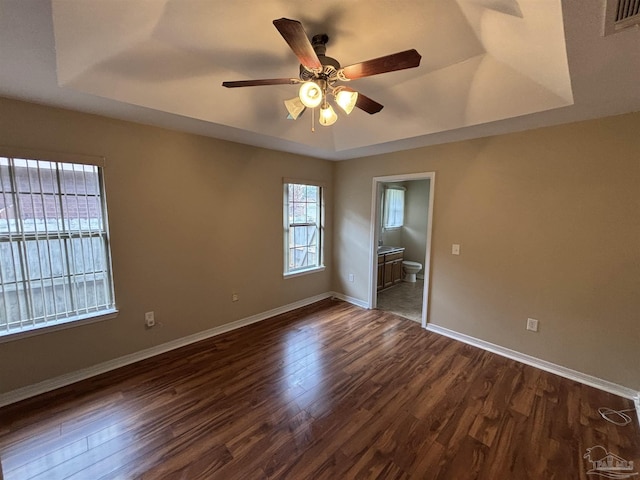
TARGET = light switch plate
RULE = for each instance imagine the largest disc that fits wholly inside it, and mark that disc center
(455, 249)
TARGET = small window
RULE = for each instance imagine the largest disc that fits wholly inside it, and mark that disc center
(393, 216)
(303, 227)
(55, 264)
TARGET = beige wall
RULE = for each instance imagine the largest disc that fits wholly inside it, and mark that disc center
(414, 231)
(547, 221)
(549, 227)
(413, 234)
(192, 219)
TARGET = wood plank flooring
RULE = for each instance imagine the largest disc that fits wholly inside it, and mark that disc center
(329, 391)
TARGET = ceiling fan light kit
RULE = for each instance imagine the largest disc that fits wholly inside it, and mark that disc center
(295, 107)
(319, 75)
(327, 115)
(346, 100)
(311, 94)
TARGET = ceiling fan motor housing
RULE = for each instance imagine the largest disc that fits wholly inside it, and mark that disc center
(330, 66)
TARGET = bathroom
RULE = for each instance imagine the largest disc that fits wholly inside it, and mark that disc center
(402, 224)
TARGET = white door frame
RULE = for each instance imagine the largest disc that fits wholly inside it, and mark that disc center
(373, 243)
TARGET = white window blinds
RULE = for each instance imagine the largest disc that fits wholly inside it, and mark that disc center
(55, 264)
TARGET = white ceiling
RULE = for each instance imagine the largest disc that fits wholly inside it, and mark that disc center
(488, 66)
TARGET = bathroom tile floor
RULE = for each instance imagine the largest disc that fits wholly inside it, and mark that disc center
(404, 299)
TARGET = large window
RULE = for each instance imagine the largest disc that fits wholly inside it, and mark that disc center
(393, 207)
(303, 227)
(55, 263)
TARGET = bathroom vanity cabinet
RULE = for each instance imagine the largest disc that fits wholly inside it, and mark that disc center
(390, 268)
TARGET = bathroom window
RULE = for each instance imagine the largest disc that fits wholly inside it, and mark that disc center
(303, 237)
(55, 265)
(393, 207)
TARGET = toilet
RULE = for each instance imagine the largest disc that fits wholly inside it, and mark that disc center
(410, 270)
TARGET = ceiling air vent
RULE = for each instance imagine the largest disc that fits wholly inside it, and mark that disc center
(621, 14)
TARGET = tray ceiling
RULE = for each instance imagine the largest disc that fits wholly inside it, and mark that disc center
(488, 66)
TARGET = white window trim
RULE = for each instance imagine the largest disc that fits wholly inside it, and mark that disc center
(306, 271)
(70, 322)
(285, 218)
(85, 318)
(17, 152)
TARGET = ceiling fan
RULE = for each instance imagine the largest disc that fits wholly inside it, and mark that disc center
(321, 76)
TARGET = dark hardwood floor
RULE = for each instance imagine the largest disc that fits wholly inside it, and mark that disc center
(329, 391)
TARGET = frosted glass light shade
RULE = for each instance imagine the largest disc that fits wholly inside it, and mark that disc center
(295, 108)
(347, 100)
(310, 94)
(327, 116)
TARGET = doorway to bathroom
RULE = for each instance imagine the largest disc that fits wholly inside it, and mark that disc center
(401, 221)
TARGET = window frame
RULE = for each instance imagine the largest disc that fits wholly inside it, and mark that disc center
(319, 224)
(81, 317)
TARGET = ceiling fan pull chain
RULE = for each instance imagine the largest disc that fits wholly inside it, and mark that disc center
(313, 122)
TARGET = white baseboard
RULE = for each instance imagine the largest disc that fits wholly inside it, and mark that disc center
(352, 300)
(542, 365)
(69, 378)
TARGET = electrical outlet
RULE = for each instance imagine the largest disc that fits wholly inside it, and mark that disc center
(351, 277)
(532, 324)
(149, 319)
(234, 297)
(455, 249)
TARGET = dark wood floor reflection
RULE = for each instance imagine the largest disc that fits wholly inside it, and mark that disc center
(329, 391)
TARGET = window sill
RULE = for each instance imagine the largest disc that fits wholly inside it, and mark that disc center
(306, 271)
(60, 325)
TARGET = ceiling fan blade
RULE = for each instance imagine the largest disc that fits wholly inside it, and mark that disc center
(368, 105)
(257, 83)
(295, 36)
(365, 103)
(388, 63)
